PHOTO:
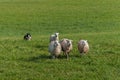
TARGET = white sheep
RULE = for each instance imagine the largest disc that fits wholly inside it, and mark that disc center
(66, 46)
(54, 37)
(54, 48)
(83, 46)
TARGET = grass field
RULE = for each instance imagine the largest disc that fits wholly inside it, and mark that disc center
(97, 21)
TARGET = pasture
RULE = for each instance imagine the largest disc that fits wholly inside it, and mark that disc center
(97, 21)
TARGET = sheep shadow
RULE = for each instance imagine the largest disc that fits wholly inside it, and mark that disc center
(37, 58)
(45, 57)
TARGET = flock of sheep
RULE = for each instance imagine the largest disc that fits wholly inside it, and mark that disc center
(65, 45)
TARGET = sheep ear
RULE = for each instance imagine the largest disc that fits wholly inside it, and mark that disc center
(87, 41)
(57, 33)
(71, 40)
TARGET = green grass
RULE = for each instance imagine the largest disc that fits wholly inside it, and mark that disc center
(98, 21)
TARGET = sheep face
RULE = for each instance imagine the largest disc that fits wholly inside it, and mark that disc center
(56, 44)
(69, 43)
(56, 34)
(54, 37)
(83, 46)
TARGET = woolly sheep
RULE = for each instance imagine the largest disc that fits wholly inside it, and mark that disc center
(54, 49)
(54, 37)
(66, 46)
(83, 46)
(27, 36)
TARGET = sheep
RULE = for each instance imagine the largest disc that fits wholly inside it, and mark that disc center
(27, 36)
(54, 49)
(83, 46)
(54, 37)
(66, 46)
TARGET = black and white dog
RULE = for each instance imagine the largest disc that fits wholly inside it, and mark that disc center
(27, 36)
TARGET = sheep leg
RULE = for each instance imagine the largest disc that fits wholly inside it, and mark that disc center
(53, 57)
(67, 54)
(63, 53)
(81, 54)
